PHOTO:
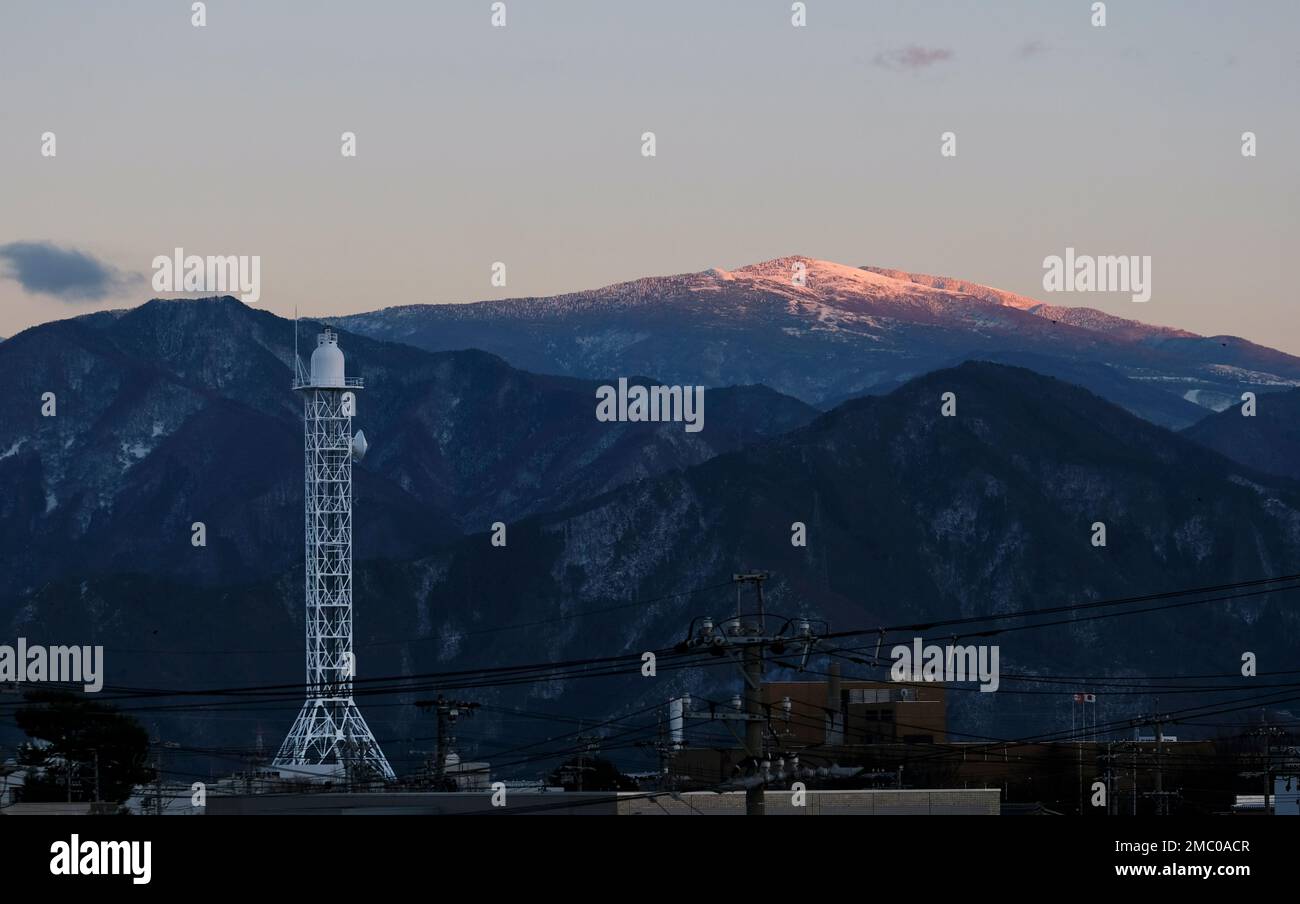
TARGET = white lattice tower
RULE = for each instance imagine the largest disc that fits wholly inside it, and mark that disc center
(330, 730)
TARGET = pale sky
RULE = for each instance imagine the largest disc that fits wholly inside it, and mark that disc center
(523, 145)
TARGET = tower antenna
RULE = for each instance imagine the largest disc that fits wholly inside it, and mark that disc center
(330, 738)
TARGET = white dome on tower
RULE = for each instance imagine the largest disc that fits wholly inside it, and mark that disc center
(327, 361)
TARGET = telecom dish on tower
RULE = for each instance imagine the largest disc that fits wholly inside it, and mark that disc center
(330, 733)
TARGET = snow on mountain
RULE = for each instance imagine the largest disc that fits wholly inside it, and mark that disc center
(823, 331)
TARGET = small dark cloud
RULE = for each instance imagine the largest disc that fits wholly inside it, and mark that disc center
(912, 57)
(1031, 49)
(65, 273)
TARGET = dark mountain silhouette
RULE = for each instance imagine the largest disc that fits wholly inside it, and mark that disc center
(180, 411)
(1269, 441)
(911, 516)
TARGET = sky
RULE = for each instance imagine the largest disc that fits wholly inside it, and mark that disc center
(523, 145)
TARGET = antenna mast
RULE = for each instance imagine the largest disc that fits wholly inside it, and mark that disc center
(330, 738)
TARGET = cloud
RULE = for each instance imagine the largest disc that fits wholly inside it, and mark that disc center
(912, 57)
(65, 273)
(1031, 49)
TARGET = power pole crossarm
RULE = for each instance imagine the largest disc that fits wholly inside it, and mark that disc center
(744, 636)
(448, 712)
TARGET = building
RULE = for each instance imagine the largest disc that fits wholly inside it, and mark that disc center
(849, 712)
(854, 733)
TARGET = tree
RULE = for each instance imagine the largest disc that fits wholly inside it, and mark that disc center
(73, 739)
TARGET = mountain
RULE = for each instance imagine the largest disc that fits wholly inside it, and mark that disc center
(1268, 441)
(178, 412)
(848, 331)
(911, 516)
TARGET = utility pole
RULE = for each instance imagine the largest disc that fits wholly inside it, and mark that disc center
(1268, 772)
(1079, 756)
(667, 743)
(752, 670)
(586, 743)
(744, 637)
(160, 745)
(755, 796)
(1265, 732)
(1160, 770)
(1112, 805)
(448, 712)
(1079, 731)
(1161, 796)
(834, 734)
(1135, 771)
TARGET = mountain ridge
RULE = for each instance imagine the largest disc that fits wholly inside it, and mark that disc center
(910, 516)
(181, 411)
(846, 331)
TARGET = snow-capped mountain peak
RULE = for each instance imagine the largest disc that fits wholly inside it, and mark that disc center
(822, 331)
(808, 277)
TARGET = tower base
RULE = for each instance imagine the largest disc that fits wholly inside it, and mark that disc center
(332, 732)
